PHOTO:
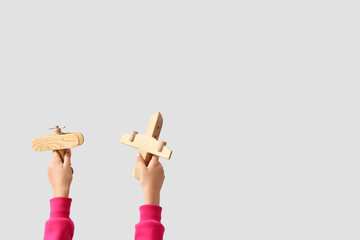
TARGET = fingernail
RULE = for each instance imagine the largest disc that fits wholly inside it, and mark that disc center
(138, 155)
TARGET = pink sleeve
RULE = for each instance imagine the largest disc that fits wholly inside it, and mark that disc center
(59, 226)
(149, 227)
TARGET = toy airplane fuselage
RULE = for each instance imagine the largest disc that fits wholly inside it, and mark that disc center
(57, 141)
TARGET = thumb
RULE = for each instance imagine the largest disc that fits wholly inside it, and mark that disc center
(140, 161)
(67, 158)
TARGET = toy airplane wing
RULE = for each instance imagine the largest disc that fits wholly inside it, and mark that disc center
(148, 144)
(56, 142)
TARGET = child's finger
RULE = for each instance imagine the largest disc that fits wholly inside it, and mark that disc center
(67, 158)
(154, 160)
(56, 157)
(140, 161)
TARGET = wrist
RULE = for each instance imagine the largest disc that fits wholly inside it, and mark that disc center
(61, 193)
(152, 199)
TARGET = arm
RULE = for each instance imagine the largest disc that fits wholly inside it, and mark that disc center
(59, 226)
(151, 180)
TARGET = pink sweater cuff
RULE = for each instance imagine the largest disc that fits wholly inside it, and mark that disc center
(60, 207)
(150, 212)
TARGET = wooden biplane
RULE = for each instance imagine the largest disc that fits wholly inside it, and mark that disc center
(58, 141)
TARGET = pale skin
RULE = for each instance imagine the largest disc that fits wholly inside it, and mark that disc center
(151, 179)
(60, 175)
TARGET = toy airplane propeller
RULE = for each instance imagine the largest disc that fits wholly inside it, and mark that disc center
(58, 141)
(148, 143)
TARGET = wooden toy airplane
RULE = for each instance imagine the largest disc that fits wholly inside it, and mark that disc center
(148, 143)
(58, 141)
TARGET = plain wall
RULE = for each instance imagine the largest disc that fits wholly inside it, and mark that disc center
(260, 101)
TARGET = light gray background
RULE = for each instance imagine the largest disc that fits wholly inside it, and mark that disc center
(260, 102)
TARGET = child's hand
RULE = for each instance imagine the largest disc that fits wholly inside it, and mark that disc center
(60, 174)
(151, 179)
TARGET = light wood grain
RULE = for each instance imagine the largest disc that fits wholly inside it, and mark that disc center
(79, 136)
(153, 129)
(147, 143)
(55, 142)
(160, 146)
(58, 141)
